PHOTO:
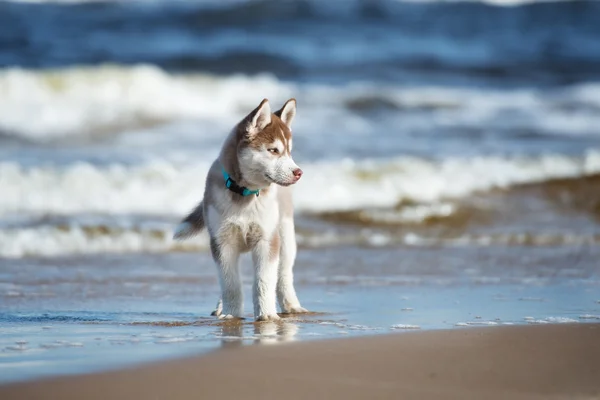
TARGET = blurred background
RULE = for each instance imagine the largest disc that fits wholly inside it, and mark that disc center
(451, 157)
(419, 123)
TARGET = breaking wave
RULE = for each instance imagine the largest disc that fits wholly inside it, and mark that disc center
(163, 188)
(79, 102)
(84, 101)
(78, 239)
(87, 210)
(50, 241)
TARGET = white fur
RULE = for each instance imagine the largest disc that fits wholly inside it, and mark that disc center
(230, 224)
(249, 225)
(262, 168)
(286, 294)
(265, 282)
(288, 113)
(261, 119)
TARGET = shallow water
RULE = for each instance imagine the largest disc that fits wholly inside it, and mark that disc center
(451, 157)
(66, 316)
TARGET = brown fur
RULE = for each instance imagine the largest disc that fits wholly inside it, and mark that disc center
(274, 251)
(277, 129)
(253, 235)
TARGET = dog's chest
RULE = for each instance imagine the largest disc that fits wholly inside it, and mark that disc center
(245, 225)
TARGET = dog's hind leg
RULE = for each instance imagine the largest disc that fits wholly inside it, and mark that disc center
(218, 309)
(286, 294)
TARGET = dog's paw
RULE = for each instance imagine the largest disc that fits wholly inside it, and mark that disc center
(218, 310)
(297, 309)
(227, 312)
(268, 317)
(228, 317)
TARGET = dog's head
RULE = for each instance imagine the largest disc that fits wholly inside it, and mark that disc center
(265, 146)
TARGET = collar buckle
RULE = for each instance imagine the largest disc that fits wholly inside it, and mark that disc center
(234, 187)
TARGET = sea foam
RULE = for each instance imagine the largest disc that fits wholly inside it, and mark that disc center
(84, 101)
(88, 100)
(165, 188)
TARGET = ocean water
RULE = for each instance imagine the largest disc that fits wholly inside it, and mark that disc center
(451, 152)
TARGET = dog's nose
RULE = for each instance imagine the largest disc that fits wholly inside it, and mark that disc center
(297, 173)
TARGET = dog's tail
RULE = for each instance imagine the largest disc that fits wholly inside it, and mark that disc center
(190, 225)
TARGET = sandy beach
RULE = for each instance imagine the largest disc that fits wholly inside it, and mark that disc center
(87, 315)
(511, 362)
(447, 220)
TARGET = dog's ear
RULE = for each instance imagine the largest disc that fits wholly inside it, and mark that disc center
(259, 118)
(287, 112)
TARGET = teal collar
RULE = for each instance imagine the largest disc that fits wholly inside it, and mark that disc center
(234, 187)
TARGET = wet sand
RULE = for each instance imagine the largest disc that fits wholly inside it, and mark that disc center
(62, 316)
(516, 362)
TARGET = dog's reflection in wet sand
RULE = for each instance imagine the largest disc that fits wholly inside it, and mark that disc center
(267, 332)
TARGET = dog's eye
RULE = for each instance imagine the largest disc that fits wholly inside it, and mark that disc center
(273, 150)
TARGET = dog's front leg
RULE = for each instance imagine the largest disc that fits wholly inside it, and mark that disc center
(265, 256)
(226, 256)
(286, 294)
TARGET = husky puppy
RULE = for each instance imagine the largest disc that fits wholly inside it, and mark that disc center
(247, 207)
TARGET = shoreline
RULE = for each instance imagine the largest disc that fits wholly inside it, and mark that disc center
(517, 362)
